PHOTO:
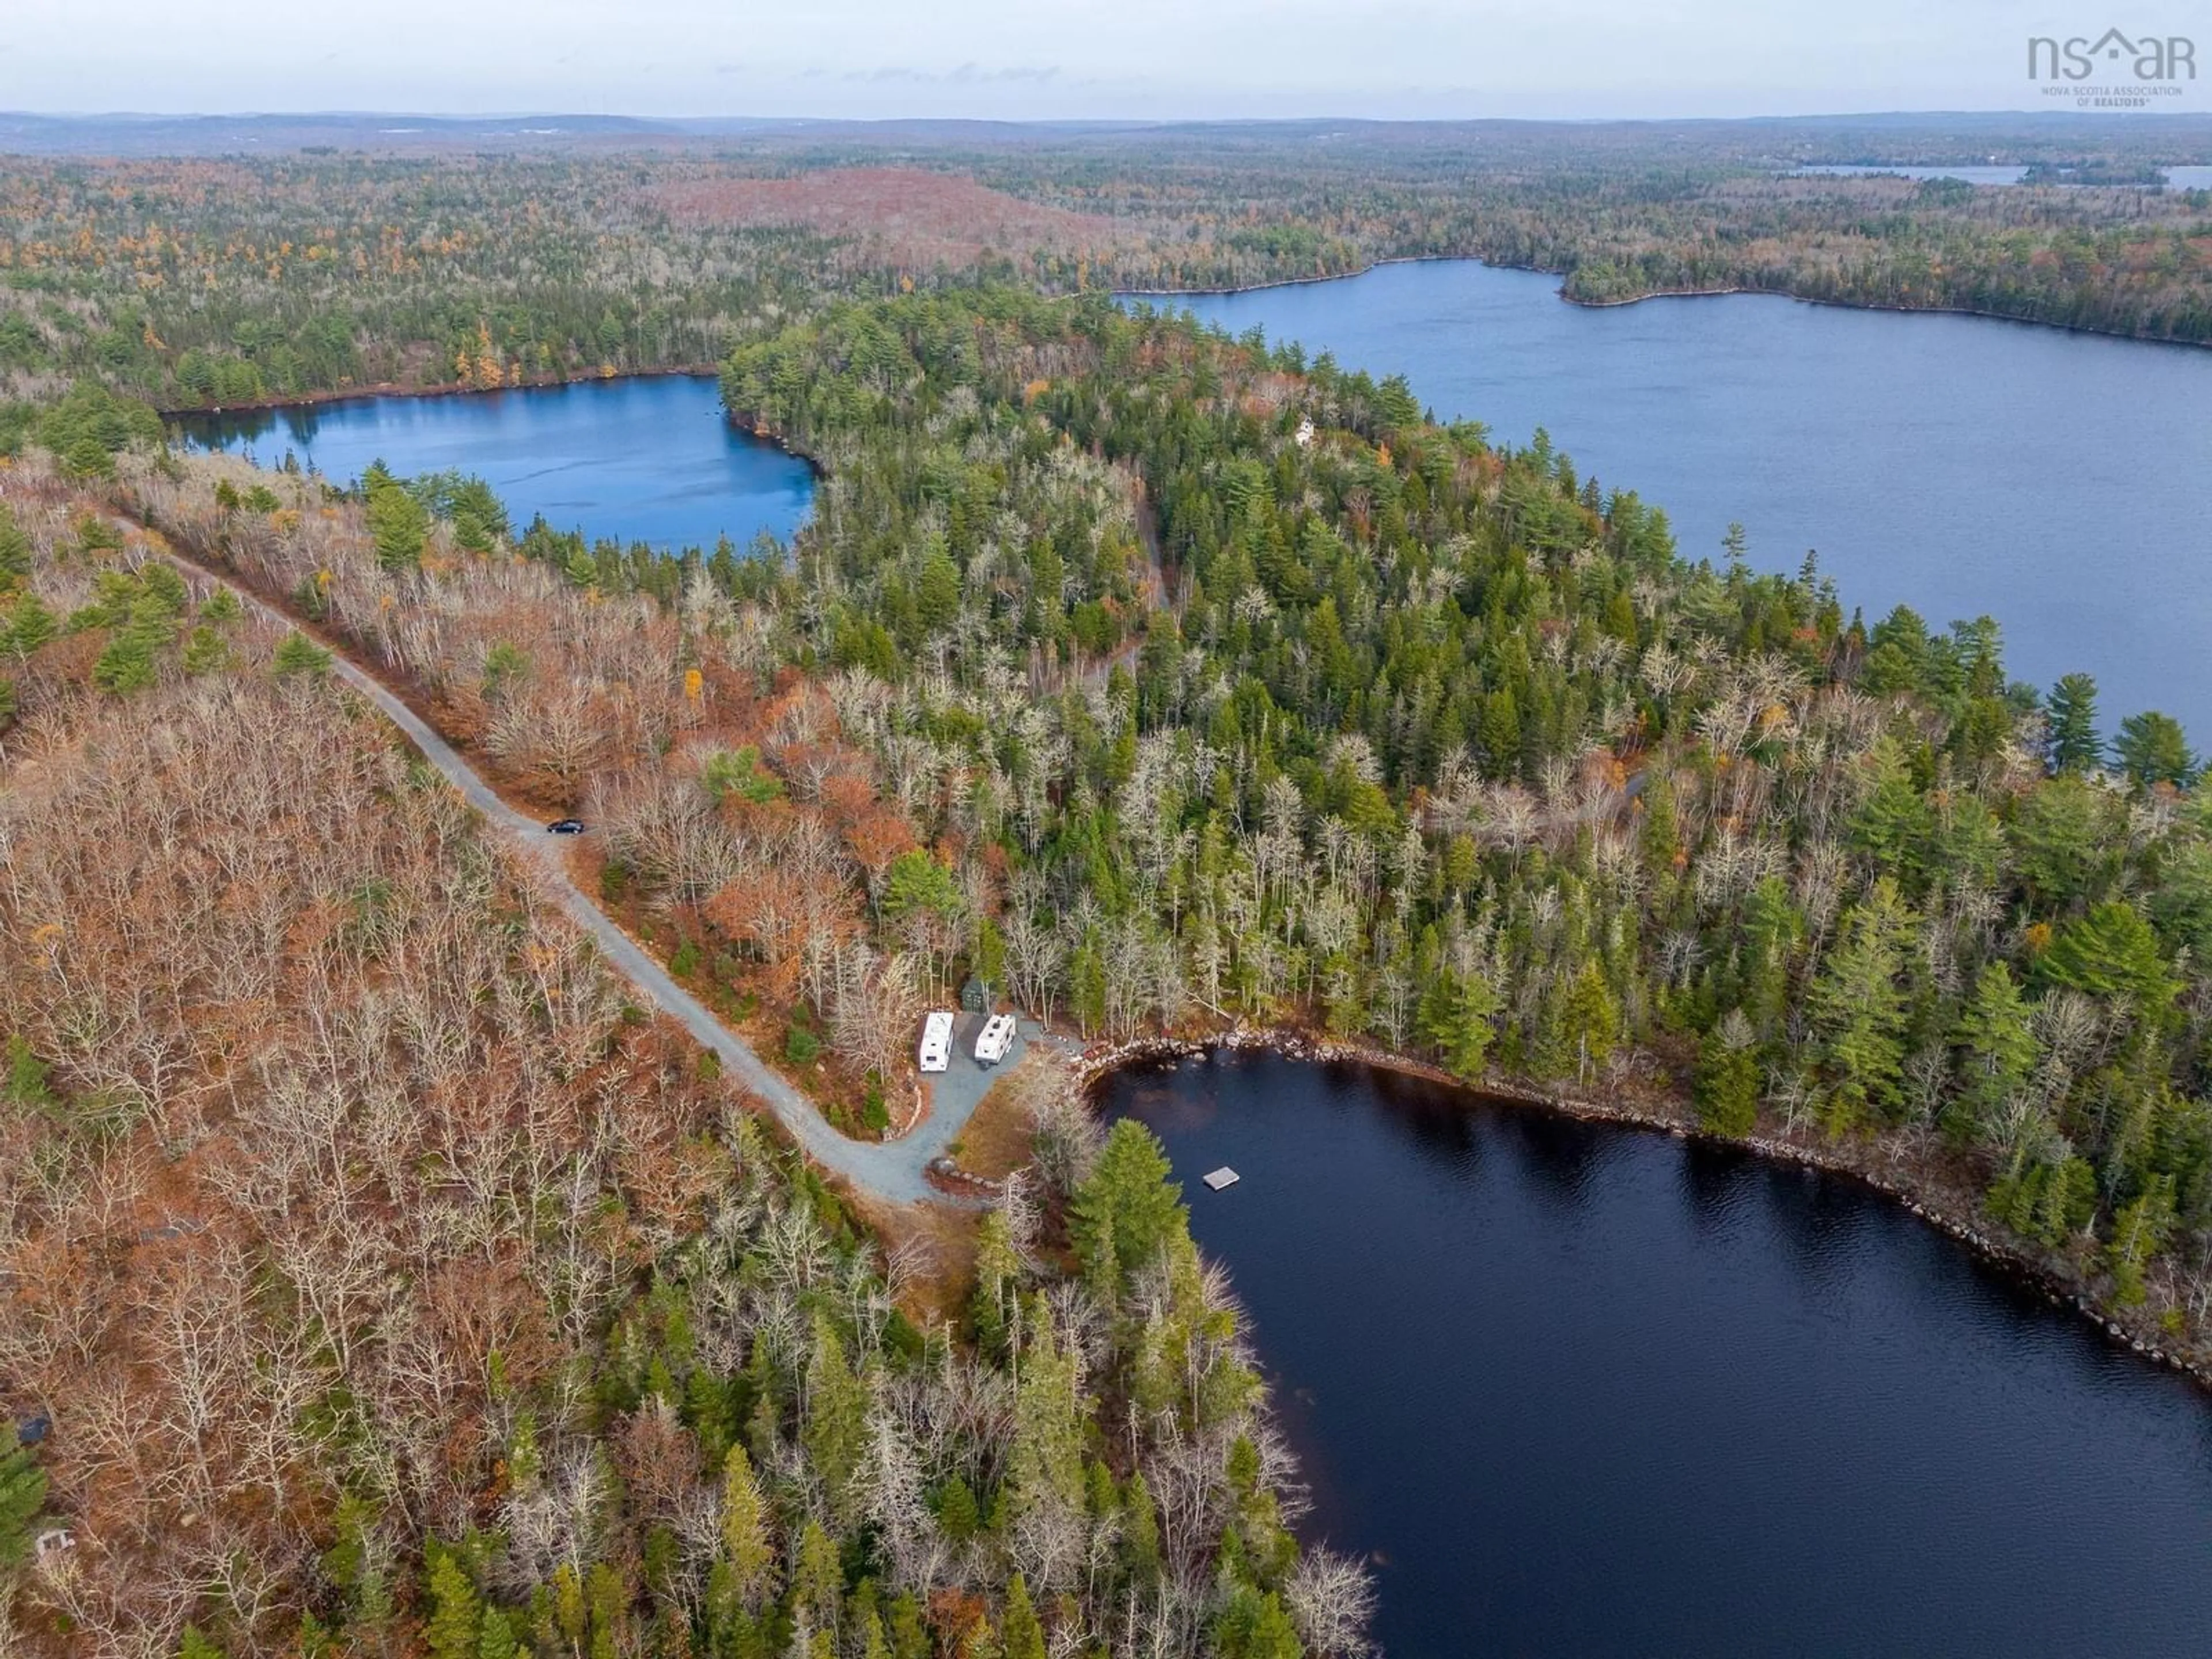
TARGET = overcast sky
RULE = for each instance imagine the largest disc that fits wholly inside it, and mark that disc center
(1046, 58)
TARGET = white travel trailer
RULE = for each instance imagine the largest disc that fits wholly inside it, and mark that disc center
(996, 1040)
(936, 1040)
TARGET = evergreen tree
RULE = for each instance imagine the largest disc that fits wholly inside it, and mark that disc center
(2112, 953)
(2072, 741)
(1140, 1531)
(1999, 1044)
(746, 1548)
(997, 1271)
(1020, 1634)
(397, 523)
(1046, 1464)
(2152, 751)
(297, 654)
(29, 625)
(1726, 1085)
(1467, 1031)
(14, 551)
(1127, 1209)
(1857, 1008)
(130, 661)
(22, 1495)
(835, 1430)
(456, 1612)
(498, 1638)
(2138, 1232)
(818, 1578)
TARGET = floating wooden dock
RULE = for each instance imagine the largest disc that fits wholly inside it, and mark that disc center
(1223, 1176)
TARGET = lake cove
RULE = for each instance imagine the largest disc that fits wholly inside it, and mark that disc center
(1957, 464)
(649, 458)
(1593, 1390)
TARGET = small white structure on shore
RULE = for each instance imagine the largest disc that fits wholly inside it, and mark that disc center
(936, 1040)
(1223, 1176)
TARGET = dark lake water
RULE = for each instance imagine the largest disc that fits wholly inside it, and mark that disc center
(649, 458)
(2057, 481)
(1589, 1390)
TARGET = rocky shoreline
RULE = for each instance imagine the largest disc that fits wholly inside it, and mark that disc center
(1101, 1061)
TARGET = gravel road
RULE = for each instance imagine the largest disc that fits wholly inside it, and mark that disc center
(890, 1170)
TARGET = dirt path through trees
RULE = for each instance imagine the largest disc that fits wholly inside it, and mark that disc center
(893, 1171)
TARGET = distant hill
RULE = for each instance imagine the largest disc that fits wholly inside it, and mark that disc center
(128, 135)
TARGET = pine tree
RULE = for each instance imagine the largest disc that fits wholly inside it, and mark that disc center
(818, 1578)
(836, 1431)
(2071, 738)
(1999, 1044)
(130, 661)
(1726, 1085)
(204, 651)
(497, 1639)
(22, 1495)
(2152, 750)
(14, 550)
(746, 1545)
(30, 625)
(1856, 1007)
(1592, 1020)
(1020, 1634)
(1140, 1531)
(2138, 1232)
(297, 654)
(997, 1270)
(455, 1610)
(1046, 1463)
(1127, 1208)
(1473, 1003)
(397, 523)
(957, 1515)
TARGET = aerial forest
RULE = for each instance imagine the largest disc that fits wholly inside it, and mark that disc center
(382, 1278)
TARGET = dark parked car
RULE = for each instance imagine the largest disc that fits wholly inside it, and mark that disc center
(565, 827)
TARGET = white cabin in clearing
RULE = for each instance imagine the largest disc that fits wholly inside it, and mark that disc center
(936, 1040)
(995, 1041)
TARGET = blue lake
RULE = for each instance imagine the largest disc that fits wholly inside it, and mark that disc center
(2057, 481)
(1583, 1390)
(649, 458)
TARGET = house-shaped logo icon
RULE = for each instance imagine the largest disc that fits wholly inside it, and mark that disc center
(2144, 57)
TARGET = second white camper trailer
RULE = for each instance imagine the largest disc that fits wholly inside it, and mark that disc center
(936, 1040)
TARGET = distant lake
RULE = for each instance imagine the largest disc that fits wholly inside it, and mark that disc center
(1589, 1390)
(1972, 175)
(649, 458)
(2056, 482)
(2185, 177)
